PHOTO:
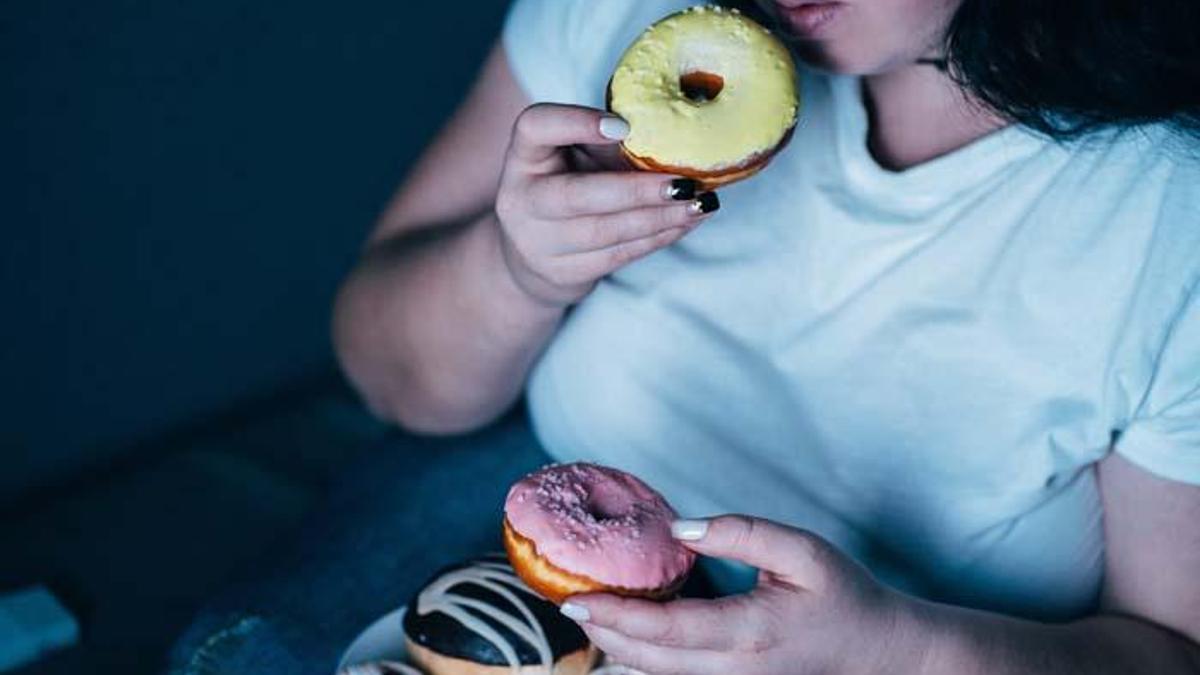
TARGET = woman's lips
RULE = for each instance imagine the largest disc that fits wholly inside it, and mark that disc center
(809, 19)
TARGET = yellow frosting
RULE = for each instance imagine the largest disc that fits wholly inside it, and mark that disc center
(750, 115)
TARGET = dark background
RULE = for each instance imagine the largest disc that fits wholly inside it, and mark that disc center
(184, 184)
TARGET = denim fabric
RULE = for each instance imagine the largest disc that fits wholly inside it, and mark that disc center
(396, 516)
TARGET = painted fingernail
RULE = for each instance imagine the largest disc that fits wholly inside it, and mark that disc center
(706, 203)
(689, 530)
(614, 127)
(681, 189)
(575, 612)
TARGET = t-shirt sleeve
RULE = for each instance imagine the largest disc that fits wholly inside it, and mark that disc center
(1164, 436)
(538, 40)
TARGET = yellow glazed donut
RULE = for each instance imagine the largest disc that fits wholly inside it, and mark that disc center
(708, 93)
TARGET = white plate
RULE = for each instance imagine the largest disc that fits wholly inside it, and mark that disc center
(381, 641)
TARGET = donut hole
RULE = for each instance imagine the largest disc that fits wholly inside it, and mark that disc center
(699, 86)
(608, 505)
(605, 511)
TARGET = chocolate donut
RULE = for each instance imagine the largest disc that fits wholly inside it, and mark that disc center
(479, 617)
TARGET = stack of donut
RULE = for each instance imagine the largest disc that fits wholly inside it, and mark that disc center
(568, 529)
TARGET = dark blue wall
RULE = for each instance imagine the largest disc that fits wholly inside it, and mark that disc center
(183, 184)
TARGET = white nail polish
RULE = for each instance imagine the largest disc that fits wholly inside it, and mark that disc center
(575, 612)
(689, 530)
(614, 127)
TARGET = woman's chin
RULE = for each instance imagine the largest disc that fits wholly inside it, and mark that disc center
(828, 58)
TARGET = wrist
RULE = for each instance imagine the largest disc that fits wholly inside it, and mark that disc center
(518, 287)
(936, 639)
(915, 638)
(535, 288)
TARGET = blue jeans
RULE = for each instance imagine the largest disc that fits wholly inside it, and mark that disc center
(396, 516)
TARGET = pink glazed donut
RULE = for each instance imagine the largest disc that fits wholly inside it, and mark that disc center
(583, 528)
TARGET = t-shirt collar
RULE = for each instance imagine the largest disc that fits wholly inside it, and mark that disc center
(926, 185)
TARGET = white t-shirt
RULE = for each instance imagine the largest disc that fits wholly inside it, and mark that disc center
(922, 366)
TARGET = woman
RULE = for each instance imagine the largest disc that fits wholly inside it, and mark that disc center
(953, 332)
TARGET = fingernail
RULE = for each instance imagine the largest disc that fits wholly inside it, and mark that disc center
(681, 189)
(614, 127)
(575, 612)
(689, 530)
(706, 203)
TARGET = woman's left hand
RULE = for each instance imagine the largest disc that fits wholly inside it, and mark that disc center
(813, 611)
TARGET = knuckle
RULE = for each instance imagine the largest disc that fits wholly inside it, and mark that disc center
(565, 274)
(743, 531)
(506, 205)
(529, 121)
(668, 633)
(622, 254)
(558, 274)
(663, 218)
(678, 216)
(595, 232)
(755, 634)
(670, 236)
(526, 121)
(651, 189)
(756, 643)
(811, 547)
(526, 254)
(572, 192)
(615, 257)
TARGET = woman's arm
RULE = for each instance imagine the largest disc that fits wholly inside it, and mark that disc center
(816, 611)
(1150, 603)
(505, 222)
(431, 285)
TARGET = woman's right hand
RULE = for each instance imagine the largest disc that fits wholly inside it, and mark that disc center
(563, 229)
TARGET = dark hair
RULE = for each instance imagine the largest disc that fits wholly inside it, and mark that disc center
(1069, 67)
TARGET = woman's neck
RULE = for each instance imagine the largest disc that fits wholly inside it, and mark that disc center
(918, 113)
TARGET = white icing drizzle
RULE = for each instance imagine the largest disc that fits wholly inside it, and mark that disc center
(495, 577)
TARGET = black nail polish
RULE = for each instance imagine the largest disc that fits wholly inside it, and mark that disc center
(708, 202)
(682, 189)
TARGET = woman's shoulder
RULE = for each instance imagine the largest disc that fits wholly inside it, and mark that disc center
(1156, 165)
(1171, 174)
(1178, 219)
(564, 51)
(1152, 176)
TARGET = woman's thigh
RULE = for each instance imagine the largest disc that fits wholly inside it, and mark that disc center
(394, 518)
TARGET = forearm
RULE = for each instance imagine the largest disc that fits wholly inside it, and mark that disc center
(962, 642)
(433, 331)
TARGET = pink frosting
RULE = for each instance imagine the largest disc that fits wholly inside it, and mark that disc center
(599, 522)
